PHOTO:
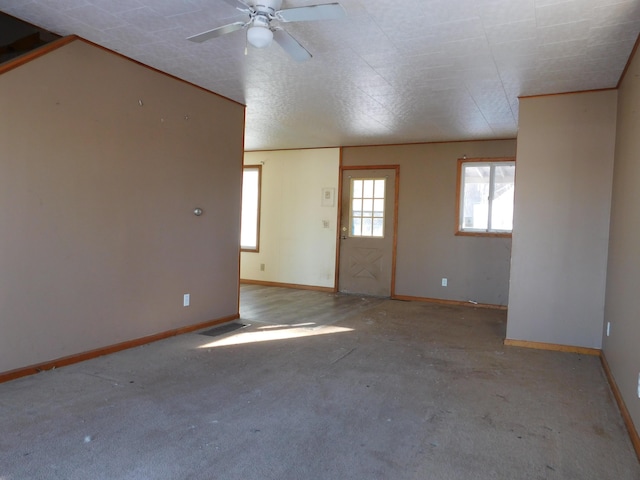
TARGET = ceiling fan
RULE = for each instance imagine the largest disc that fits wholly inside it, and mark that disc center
(260, 31)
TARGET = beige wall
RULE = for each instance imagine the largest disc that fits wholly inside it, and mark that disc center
(295, 246)
(561, 219)
(99, 242)
(622, 347)
(477, 268)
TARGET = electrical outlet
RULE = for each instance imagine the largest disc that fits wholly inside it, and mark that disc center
(186, 300)
(262, 267)
(444, 282)
(608, 328)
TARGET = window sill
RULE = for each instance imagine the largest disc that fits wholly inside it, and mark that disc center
(483, 234)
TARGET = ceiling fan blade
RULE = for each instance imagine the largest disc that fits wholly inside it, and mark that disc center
(328, 11)
(216, 32)
(240, 5)
(291, 45)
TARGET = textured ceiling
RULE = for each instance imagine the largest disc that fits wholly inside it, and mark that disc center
(390, 72)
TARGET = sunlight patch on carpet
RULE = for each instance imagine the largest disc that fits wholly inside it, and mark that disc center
(270, 334)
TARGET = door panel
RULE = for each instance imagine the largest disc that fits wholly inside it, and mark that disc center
(367, 233)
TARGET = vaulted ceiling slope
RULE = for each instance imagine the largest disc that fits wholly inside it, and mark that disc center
(391, 71)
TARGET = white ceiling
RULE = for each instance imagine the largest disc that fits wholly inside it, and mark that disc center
(391, 72)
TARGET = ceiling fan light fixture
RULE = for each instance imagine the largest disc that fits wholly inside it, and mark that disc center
(259, 37)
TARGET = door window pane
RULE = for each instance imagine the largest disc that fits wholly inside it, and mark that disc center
(356, 227)
(356, 186)
(367, 208)
(378, 227)
(378, 207)
(367, 227)
(367, 189)
(357, 207)
(379, 189)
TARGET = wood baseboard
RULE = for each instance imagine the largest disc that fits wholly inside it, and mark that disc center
(288, 285)
(552, 346)
(98, 352)
(448, 302)
(633, 433)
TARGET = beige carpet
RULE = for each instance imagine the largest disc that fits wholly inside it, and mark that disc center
(390, 390)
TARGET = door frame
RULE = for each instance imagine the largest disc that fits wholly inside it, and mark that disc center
(394, 246)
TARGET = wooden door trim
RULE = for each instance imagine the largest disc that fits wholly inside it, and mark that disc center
(395, 233)
(336, 269)
(394, 245)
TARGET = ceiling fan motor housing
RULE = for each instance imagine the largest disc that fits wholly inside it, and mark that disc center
(268, 6)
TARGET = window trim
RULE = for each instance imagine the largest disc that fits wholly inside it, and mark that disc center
(458, 213)
(257, 247)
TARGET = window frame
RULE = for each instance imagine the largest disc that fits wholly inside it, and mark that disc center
(459, 231)
(255, 249)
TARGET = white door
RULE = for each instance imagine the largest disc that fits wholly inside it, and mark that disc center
(367, 231)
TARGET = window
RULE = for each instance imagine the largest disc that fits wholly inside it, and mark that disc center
(366, 215)
(250, 220)
(485, 198)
